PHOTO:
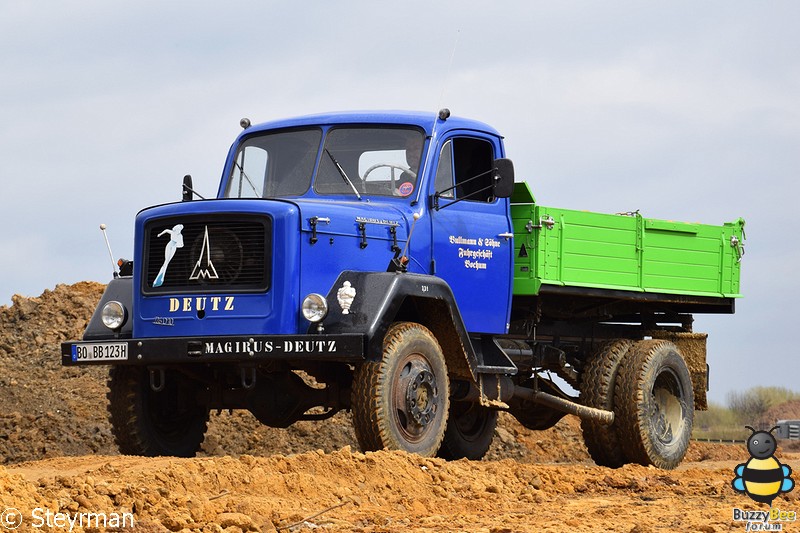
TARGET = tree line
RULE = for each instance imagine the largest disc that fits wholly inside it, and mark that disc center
(759, 407)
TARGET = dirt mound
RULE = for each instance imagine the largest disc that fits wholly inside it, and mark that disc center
(381, 491)
(786, 411)
(707, 451)
(49, 411)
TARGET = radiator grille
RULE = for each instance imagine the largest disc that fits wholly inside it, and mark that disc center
(208, 254)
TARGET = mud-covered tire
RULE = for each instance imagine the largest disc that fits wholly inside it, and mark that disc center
(597, 390)
(149, 423)
(401, 402)
(469, 433)
(655, 404)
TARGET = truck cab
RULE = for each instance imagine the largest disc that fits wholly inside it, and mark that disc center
(324, 195)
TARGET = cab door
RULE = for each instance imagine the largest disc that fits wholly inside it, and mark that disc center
(472, 239)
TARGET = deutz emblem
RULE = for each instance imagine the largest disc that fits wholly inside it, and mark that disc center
(204, 268)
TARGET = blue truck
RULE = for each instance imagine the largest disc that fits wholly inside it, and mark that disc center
(387, 263)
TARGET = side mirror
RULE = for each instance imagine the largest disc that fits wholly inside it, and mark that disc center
(187, 189)
(503, 178)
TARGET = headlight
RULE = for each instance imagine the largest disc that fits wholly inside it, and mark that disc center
(113, 315)
(315, 307)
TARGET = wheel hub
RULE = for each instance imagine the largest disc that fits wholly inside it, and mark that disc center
(421, 397)
(668, 408)
(418, 401)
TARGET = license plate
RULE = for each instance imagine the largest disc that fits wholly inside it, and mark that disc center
(100, 351)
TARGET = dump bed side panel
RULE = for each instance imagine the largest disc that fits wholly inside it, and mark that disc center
(566, 247)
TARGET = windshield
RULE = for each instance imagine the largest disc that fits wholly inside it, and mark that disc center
(356, 161)
(274, 164)
(375, 160)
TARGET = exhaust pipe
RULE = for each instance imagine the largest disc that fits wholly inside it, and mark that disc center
(560, 404)
(501, 389)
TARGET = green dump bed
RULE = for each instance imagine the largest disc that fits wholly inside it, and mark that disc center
(562, 247)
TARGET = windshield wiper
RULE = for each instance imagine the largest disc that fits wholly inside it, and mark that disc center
(342, 173)
(243, 173)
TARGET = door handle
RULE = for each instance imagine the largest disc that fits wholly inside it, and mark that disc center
(506, 235)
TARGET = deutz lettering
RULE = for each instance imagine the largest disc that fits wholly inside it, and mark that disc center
(309, 346)
(287, 346)
(201, 303)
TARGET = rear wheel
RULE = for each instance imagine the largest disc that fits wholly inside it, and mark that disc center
(145, 422)
(469, 433)
(597, 390)
(401, 401)
(655, 404)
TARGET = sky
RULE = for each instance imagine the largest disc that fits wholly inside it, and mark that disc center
(683, 110)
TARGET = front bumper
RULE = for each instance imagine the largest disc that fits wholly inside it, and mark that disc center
(344, 348)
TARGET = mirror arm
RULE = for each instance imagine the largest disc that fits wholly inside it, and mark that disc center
(438, 194)
(466, 181)
(438, 207)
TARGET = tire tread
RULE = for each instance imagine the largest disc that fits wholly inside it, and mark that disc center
(126, 415)
(597, 390)
(370, 421)
(633, 384)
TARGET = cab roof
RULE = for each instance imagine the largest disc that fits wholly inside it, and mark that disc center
(424, 120)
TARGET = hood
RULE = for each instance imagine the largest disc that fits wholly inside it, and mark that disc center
(369, 222)
(216, 266)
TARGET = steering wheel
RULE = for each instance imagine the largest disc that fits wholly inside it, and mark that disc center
(389, 165)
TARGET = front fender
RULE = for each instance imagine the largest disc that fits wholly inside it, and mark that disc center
(121, 290)
(382, 298)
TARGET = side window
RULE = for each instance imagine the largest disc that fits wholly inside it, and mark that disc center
(274, 163)
(250, 173)
(466, 163)
(444, 171)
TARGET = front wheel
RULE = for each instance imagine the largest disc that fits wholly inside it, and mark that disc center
(150, 423)
(655, 404)
(401, 402)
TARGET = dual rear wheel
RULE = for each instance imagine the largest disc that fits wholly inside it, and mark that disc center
(649, 388)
